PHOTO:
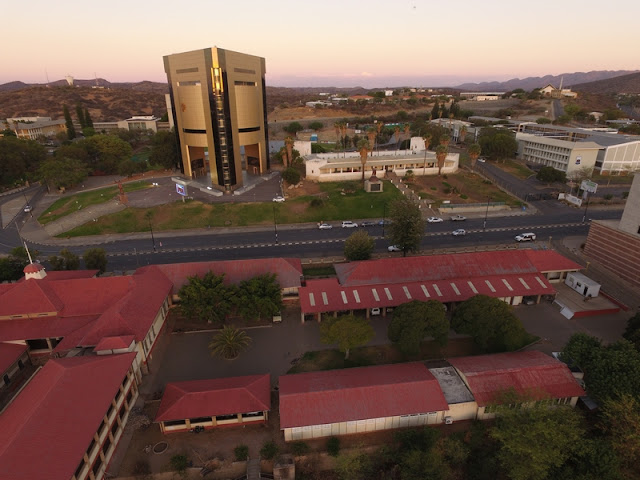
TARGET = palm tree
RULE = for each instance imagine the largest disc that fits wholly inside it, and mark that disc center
(371, 134)
(379, 126)
(441, 155)
(288, 142)
(336, 125)
(444, 140)
(363, 148)
(462, 134)
(427, 141)
(343, 131)
(407, 131)
(396, 129)
(474, 152)
(229, 342)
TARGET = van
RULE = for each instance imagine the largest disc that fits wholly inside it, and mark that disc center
(375, 311)
(526, 237)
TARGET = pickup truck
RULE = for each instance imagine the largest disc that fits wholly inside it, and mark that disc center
(458, 218)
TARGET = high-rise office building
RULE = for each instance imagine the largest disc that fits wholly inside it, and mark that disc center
(218, 105)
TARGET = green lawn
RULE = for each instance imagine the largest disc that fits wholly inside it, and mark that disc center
(72, 203)
(354, 204)
(318, 271)
(515, 168)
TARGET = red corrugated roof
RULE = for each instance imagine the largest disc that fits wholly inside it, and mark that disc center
(531, 373)
(41, 327)
(318, 398)
(220, 396)
(550, 261)
(47, 429)
(67, 274)
(9, 354)
(327, 295)
(288, 270)
(30, 296)
(114, 343)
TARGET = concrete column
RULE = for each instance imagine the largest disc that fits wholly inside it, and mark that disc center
(239, 418)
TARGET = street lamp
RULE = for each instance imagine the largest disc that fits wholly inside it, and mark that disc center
(153, 240)
(484, 225)
(275, 224)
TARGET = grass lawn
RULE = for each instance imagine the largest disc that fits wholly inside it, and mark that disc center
(336, 201)
(515, 168)
(67, 205)
(318, 271)
(604, 180)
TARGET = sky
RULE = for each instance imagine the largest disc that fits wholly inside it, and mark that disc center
(342, 43)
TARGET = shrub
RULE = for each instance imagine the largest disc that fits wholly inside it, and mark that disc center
(447, 191)
(179, 463)
(241, 452)
(333, 446)
(269, 450)
(625, 194)
(446, 184)
(299, 448)
(316, 202)
(434, 188)
(291, 176)
(463, 196)
(142, 468)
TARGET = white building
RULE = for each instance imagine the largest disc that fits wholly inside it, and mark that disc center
(566, 156)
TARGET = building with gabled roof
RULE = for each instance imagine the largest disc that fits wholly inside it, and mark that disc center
(14, 358)
(354, 400)
(532, 375)
(213, 403)
(66, 422)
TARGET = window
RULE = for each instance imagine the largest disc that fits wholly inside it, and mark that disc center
(200, 420)
(114, 428)
(174, 423)
(105, 447)
(252, 414)
(96, 466)
(225, 417)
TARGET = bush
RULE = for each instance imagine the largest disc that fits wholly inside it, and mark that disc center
(317, 148)
(299, 448)
(550, 174)
(625, 195)
(316, 202)
(291, 176)
(269, 450)
(463, 196)
(333, 446)
(241, 452)
(179, 463)
(434, 188)
(447, 191)
(141, 468)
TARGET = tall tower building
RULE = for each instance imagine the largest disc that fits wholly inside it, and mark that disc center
(218, 104)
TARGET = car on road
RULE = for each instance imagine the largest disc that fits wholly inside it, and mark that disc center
(28, 208)
(458, 218)
(434, 220)
(278, 198)
(325, 226)
(367, 223)
(526, 237)
(349, 224)
(384, 222)
(459, 232)
(394, 248)
(481, 160)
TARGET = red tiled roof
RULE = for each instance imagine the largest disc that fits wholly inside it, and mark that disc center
(67, 275)
(220, 396)
(114, 343)
(550, 261)
(318, 398)
(288, 270)
(30, 296)
(9, 354)
(41, 327)
(49, 426)
(531, 373)
(32, 268)
(327, 295)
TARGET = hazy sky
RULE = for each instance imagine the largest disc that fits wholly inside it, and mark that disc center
(324, 42)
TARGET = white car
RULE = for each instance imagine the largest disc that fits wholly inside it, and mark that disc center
(349, 224)
(278, 198)
(458, 218)
(434, 220)
(459, 232)
(394, 248)
(325, 226)
(526, 237)
(481, 160)
(28, 208)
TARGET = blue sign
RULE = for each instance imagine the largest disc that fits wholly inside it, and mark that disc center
(181, 189)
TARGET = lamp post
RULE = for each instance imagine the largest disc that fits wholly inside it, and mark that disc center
(153, 240)
(484, 225)
(275, 224)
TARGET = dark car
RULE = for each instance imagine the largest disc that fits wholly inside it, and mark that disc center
(367, 223)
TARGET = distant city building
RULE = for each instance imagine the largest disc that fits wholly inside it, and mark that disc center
(33, 128)
(553, 92)
(218, 106)
(482, 96)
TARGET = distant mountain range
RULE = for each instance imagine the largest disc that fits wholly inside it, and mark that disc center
(529, 83)
(623, 84)
(97, 83)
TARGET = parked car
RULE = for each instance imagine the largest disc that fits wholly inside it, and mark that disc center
(526, 237)
(367, 223)
(458, 218)
(325, 226)
(459, 232)
(481, 160)
(375, 311)
(434, 220)
(394, 248)
(28, 208)
(384, 222)
(349, 224)
(278, 198)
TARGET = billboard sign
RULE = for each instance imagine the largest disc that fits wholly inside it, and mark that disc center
(589, 186)
(181, 189)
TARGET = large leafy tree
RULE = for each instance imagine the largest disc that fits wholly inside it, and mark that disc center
(621, 422)
(164, 150)
(64, 172)
(359, 246)
(348, 331)
(491, 322)
(229, 342)
(259, 297)
(535, 440)
(497, 143)
(95, 259)
(207, 298)
(407, 225)
(632, 332)
(414, 321)
(18, 158)
(71, 130)
(106, 152)
(66, 261)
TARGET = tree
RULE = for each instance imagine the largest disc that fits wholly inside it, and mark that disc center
(441, 156)
(491, 322)
(207, 298)
(347, 331)
(291, 175)
(259, 297)
(632, 332)
(359, 246)
(128, 167)
(435, 111)
(80, 114)
(288, 143)
(71, 131)
(363, 149)
(62, 172)
(95, 259)
(229, 342)
(462, 134)
(164, 150)
(535, 440)
(414, 321)
(316, 126)
(293, 128)
(407, 225)
(543, 121)
(106, 152)
(89, 122)
(550, 174)
(18, 158)
(497, 143)
(66, 261)
(621, 423)
(12, 266)
(474, 152)
(353, 465)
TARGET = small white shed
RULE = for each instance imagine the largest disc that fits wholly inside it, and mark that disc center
(583, 284)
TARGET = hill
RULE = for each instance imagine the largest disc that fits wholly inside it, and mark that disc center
(529, 83)
(623, 84)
